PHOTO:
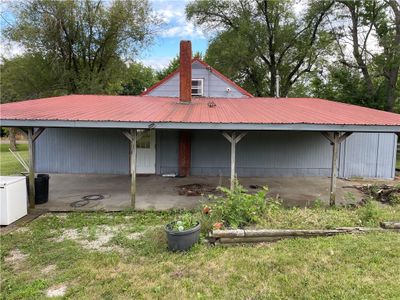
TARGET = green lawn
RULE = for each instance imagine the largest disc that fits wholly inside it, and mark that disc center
(123, 256)
(8, 164)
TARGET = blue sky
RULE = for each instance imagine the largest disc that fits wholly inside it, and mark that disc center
(176, 28)
(166, 43)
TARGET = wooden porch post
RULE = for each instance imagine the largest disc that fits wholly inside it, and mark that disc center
(133, 136)
(334, 170)
(31, 168)
(336, 138)
(233, 139)
(32, 136)
(133, 167)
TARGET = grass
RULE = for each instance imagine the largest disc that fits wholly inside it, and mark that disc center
(398, 160)
(8, 164)
(340, 267)
(97, 256)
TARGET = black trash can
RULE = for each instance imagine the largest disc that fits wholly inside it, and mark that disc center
(42, 188)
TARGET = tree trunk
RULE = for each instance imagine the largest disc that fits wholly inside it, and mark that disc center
(356, 49)
(393, 72)
(12, 138)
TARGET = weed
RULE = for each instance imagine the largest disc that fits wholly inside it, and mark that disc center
(394, 199)
(236, 208)
(369, 214)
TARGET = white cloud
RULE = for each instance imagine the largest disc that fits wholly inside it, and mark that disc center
(157, 63)
(184, 31)
(172, 13)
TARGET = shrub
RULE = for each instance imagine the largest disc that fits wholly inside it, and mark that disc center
(394, 198)
(369, 214)
(236, 208)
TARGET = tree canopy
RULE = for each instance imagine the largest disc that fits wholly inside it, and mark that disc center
(314, 52)
(261, 39)
(88, 41)
(342, 50)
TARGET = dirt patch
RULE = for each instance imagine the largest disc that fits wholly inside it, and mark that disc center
(135, 236)
(96, 239)
(15, 258)
(49, 269)
(57, 291)
(21, 230)
(196, 189)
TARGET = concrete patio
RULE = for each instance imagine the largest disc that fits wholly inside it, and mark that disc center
(161, 193)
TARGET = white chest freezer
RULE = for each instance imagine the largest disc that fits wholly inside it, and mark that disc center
(13, 199)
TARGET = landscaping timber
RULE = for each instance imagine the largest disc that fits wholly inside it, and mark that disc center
(390, 225)
(272, 235)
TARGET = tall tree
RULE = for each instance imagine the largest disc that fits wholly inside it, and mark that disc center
(269, 38)
(30, 76)
(370, 31)
(87, 38)
(137, 79)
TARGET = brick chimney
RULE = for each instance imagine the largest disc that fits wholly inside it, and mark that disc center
(185, 72)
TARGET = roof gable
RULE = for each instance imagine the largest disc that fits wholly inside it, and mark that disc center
(196, 61)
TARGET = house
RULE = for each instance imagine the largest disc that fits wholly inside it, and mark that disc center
(198, 122)
(206, 82)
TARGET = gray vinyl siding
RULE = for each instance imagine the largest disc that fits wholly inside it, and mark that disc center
(262, 154)
(75, 150)
(72, 150)
(167, 152)
(213, 85)
(371, 155)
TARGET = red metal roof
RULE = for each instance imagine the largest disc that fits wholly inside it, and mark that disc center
(226, 79)
(162, 109)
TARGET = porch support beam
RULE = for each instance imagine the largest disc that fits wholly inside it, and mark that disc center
(132, 137)
(233, 138)
(31, 177)
(32, 136)
(335, 138)
(37, 133)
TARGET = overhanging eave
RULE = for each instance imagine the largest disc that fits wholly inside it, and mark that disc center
(199, 126)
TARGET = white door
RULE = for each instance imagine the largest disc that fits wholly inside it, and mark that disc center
(146, 152)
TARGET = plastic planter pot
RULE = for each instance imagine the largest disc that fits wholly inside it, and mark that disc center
(182, 240)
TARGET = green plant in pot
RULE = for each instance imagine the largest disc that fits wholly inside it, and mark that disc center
(183, 233)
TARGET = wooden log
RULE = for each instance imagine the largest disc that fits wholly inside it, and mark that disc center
(289, 232)
(243, 240)
(240, 233)
(228, 233)
(390, 225)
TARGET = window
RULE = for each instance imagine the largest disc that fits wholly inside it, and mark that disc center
(197, 87)
(144, 141)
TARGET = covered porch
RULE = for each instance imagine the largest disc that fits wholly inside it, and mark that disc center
(162, 193)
